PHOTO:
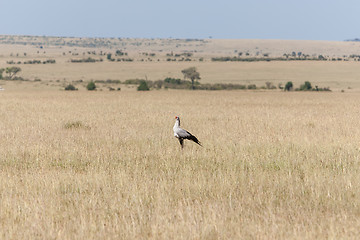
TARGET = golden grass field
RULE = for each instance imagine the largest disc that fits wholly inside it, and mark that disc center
(90, 165)
(105, 165)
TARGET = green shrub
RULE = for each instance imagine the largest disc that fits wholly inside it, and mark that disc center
(124, 59)
(251, 86)
(133, 81)
(86, 60)
(173, 80)
(70, 87)
(143, 86)
(221, 86)
(306, 86)
(288, 86)
(120, 53)
(91, 86)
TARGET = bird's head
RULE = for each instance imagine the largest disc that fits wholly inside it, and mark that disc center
(178, 120)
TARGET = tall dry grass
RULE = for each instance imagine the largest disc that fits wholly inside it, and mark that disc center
(105, 165)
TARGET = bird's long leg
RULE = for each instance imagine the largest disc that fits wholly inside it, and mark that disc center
(181, 142)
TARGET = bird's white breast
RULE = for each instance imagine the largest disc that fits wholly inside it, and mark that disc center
(175, 131)
(176, 128)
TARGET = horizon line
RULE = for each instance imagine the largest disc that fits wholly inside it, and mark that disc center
(355, 39)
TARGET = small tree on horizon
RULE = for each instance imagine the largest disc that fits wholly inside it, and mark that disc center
(12, 71)
(192, 74)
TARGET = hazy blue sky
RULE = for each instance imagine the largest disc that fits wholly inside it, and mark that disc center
(250, 19)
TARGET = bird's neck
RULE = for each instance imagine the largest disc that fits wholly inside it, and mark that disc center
(177, 123)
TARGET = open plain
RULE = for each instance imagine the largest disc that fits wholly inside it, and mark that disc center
(157, 59)
(105, 165)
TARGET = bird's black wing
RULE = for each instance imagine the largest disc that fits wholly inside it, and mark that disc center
(192, 138)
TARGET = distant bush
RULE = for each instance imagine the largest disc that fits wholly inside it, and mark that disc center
(86, 60)
(158, 84)
(176, 83)
(16, 79)
(48, 61)
(247, 59)
(108, 81)
(51, 61)
(288, 86)
(221, 86)
(266, 57)
(125, 60)
(70, 87)
(325, 89)
(306, 86)
(120, 53)
(133, 81)
(270, 85)
(91, 86)
(173, 80)
(33, 62)
(143, 86)
(251, 86)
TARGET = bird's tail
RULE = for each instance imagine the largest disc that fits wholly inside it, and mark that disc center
(194, 139)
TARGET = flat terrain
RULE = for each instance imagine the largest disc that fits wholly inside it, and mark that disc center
(90, 165)
(150, 60)
(105, 165)
(336, 75)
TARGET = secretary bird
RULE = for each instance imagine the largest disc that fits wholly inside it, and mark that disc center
(182, 134)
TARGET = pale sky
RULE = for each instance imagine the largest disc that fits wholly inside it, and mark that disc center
(235, 19)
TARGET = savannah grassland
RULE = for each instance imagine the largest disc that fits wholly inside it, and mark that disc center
(105, 165)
